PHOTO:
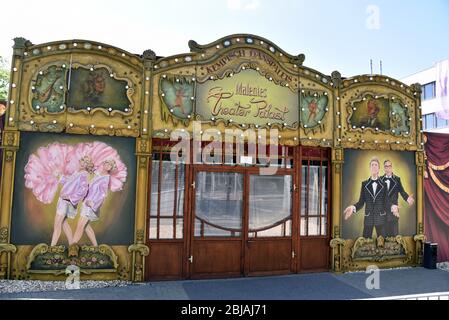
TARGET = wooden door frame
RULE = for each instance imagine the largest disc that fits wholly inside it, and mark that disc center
(194, 170)
(246, 172)
(189, 207)
(327, 237)
(246, 240)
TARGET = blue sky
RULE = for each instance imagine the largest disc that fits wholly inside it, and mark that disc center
(334, 35)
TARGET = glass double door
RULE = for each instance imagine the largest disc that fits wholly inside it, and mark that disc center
(242, 223)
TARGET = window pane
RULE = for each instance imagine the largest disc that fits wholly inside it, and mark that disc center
(314, 228)
(211, 231)
(153, 228)
(167, 188)
(198, 225)
(288, 228)
(441, 122)
(166, 229)
(324, 190)
(304, 189)
(181, 187)
(303, 227)
(179, 228)
(269, 203)
(429, 91)
(212, 154)
(287, 157)
(281, 230)
(154, 187)
(219, 201)
(430, 121)
(314, 190)
(324, 226)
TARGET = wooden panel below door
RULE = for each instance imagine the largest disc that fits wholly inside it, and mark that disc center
(314, 254)
(268, 256)
(215, 258)
(165, 260)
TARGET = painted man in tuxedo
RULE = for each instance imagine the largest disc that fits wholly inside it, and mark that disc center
(373, 195)
(394, 188)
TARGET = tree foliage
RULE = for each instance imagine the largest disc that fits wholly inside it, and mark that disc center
(4, 78)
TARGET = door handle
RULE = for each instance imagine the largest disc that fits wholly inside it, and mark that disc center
(190, 259)
(248, 242)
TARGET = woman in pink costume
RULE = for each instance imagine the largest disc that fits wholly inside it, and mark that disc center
(109, 175)
(74, 189)
(98, 190)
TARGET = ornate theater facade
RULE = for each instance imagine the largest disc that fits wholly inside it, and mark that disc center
(234, 159)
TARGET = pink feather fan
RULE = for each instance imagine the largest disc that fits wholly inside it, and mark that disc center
(44, 169)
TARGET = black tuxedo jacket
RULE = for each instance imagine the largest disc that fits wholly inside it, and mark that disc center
(375, 203)
(396, 188)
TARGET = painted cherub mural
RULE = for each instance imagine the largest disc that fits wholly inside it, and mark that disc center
(176, 96)
(179, 102)
(85, 173)
(313, 109)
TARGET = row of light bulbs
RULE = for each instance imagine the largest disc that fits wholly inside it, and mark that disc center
(310, 138)
(226, 43)
(72, 125)
(189, 58)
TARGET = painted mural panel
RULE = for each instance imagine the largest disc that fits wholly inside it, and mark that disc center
(177, 96)
(247, 98)
(74, 190)
(97, 88)
(48, 90)
(381, 114)
(313, 109)
(378, 194)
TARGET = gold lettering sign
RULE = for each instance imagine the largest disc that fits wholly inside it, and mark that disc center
(247, 98)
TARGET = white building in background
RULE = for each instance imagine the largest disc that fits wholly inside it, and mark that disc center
(430, 105)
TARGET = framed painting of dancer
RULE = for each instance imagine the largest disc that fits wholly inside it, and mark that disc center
(74, 189)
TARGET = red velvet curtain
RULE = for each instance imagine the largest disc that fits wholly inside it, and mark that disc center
(436, 192)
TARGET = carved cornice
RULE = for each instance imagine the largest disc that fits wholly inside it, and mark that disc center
(245, 40)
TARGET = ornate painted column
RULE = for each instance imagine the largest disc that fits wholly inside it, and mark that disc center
(139, 249)
(336, 242)
(10, 145)
(337, 164)
(420, 237)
